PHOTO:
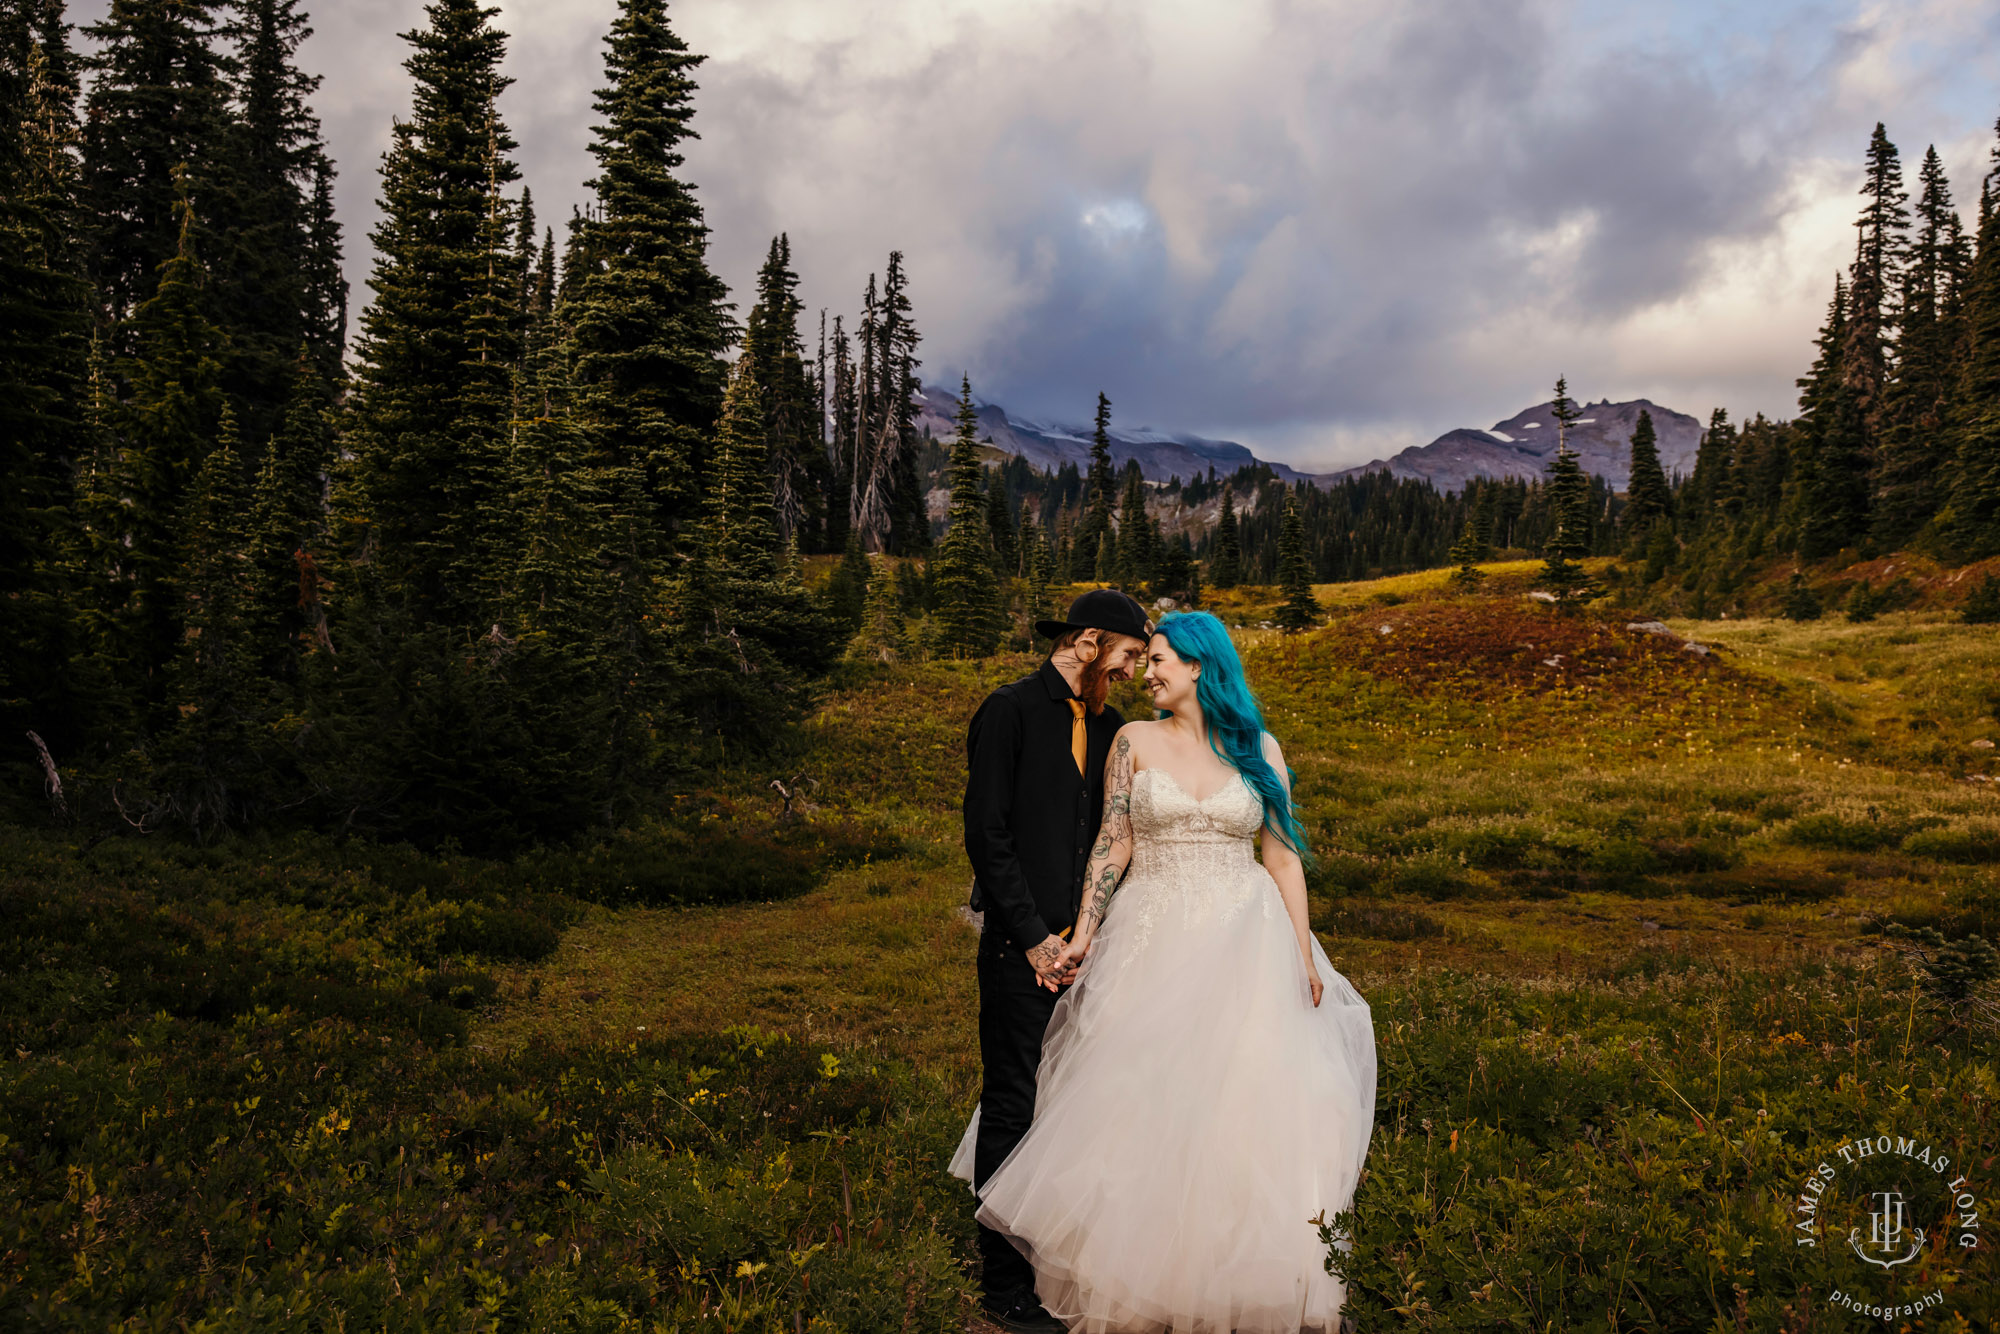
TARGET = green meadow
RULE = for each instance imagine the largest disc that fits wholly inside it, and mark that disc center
(1648, 933)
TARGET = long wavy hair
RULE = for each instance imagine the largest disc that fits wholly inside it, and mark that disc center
(1235, 723)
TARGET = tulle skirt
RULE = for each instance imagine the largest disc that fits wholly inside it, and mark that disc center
(1194, 1114)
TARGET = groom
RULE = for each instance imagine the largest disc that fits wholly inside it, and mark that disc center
(1034, 796)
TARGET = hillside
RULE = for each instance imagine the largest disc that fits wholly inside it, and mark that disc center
(1517, 446)
(1622, 914)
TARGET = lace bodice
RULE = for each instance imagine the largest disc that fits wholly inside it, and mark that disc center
(1171, 827)
(1194, 854)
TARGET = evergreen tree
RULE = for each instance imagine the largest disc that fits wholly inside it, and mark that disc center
(440, 341)
(264, 265)
(1982, 606)
(1000, 525)
(746, 633)
(1970, 524)
(1135, 549)
(1704, 496)
(800, 473)
(1225, 564)
(1038, 567)
(1863, 602)
(1830, 449)
(650, 320)
(880, 637)
(158, 106)
(1568, 497)
(1908, 476)
(909, 517)
(1801, 603)
(1300, 610)
(1648, 498)
(847, 587)
(1096, 524)
(288, 523)
(966, 598)
(325, 314)
(43, 364)
(206, 769)
(841, 387)
(164, 428)
(1866, 353)
(1465, 554)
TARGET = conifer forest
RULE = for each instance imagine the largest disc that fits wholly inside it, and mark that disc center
(480, 756)
(534, 537)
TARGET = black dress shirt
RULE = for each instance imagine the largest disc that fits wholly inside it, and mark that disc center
(1030, 818)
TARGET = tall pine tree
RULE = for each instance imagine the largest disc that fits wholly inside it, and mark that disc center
(43, 364)
(1648, 498)
(800, 473)
(1867, 352)
(1567, 494)
(207, 761)
(1135, 548)
(965, 594)
(1225, 564)
(158, 106)
(163, 430)
(651, 320)
(441, 340)
(1099, 484)
(1300, 610)
(265, 264)
(1970, 525)
(1829, 500)
(1910, 458)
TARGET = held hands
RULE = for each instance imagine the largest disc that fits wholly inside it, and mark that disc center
(1055, 961)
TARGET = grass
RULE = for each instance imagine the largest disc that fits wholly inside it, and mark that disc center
(1619, 909)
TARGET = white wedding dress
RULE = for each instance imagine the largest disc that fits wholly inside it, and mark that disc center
(1193, 1111)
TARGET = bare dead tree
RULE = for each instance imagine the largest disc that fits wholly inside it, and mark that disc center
(795, 793)
(51, 780)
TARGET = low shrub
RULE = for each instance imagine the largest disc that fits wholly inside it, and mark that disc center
(1340, 873)
(1432, 876)
(1974, 843)
(1835, 832)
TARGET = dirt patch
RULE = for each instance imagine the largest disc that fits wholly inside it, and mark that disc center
(1480, 647)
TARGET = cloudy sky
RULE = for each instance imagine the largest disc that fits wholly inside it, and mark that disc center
(1326, 228)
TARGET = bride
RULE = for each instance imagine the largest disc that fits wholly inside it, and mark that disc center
(1207, 1087)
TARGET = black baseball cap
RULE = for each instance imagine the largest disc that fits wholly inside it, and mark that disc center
(1101, 609)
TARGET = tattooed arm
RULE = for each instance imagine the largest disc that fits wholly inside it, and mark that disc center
(1112, 853)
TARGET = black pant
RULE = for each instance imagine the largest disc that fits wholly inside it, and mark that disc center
(1014, 1012)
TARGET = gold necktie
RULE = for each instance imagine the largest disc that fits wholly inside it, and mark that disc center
(1079, 740)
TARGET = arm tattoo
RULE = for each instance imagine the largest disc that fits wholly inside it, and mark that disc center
(1113, 851)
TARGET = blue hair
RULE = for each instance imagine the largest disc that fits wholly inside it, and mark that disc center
(1235, 723)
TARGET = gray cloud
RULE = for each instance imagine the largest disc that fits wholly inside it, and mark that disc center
(1324, 228)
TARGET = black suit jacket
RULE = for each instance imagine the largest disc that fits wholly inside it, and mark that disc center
(1030, 818)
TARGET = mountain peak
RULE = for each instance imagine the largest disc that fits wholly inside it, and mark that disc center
(1516, 446)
